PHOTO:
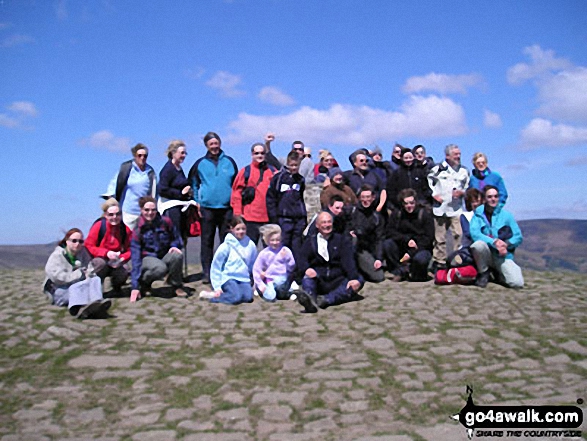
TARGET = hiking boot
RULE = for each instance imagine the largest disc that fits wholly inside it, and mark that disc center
(482, 279)
(307, 301)
(322, 302)
(89, 311)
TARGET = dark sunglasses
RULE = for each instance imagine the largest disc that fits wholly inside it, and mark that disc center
(76, 241)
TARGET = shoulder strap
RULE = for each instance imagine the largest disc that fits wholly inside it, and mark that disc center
(235, 169)
(122, 179)
(193, 174)
(102, 231)
(247, 174)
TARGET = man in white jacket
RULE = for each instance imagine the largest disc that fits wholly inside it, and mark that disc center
(448, 181)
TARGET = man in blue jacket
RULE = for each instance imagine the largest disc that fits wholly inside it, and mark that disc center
(496, 235)
(211, 177)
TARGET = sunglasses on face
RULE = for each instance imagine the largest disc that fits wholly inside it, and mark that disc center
(77, 241)
(141, 155)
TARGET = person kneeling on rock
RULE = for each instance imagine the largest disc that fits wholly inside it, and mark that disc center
(330, 273)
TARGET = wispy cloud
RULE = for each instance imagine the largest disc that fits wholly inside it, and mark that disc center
(541, 62)
(25, 108)
(16, 40)
(8, 121)
(442, 83)
(105, 139)
(61, 10)
(491, 120)
(227, 84)
(344, 124)
(275, 96)
(543, 133)
(195, 73)
(562, 98)
(578, 161)
(18, 113)
(564, 95)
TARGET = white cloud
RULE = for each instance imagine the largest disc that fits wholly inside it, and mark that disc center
(542, 61)
(564, 95)
(275, 96)
(8, 121)
(105, 139)
(491, 120)
(61, 10)
(15, 40)
(442, 83)
(195, 73)
(25, 108)
(543, 133)
(344, 124)
(227, 83)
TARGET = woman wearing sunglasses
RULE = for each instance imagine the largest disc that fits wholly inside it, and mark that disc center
(70, 279)
(134, 179)
(109, 243)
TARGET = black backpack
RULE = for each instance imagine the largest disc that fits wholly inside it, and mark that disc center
(102, 231)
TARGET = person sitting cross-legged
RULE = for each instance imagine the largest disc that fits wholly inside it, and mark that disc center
(496, 236)
(155, 251)
(409, 239)
(330, 275)
(232, 266)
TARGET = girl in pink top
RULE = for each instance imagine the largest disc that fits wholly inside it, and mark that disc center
(273, 269)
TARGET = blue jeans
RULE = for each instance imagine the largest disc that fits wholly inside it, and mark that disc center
(234, 293)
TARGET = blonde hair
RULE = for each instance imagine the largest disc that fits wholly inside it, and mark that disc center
(479, 155)
(323, 154)
(111, 202)
(269, 230)
(173, 146)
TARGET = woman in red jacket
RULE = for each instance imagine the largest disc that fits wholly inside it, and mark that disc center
(249, 190)
(109, 243)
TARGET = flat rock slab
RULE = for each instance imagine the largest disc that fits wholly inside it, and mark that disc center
(103, 361)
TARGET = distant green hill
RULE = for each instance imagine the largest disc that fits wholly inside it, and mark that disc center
(553, 244)
(549, 244)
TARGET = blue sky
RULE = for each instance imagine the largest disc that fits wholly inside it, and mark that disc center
(83, 81)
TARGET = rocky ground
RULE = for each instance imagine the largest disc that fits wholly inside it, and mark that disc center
(391, 367)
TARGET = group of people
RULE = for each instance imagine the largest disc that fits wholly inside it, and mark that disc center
(378, 216)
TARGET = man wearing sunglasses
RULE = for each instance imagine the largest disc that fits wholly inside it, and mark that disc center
(496, 236)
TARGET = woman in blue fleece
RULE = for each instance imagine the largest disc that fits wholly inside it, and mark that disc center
(232, 266)
(482, 176)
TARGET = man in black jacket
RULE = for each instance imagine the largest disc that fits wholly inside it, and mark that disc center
(367, 228)
(409, 239)
(330, 274)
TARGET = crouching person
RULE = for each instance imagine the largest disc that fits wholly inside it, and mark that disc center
(496, 236)
(70, 279)
(230, 273)
(109, 243)
(367, 227)
(409, 239)
(273, 269)
(155, 251)
(328, 266)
